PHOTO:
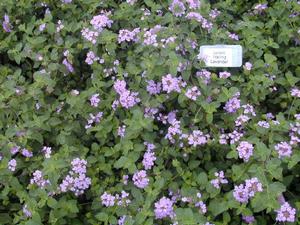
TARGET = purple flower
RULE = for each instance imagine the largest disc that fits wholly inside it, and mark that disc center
(224, 74)
(6, 24)
(248, 219)
(101, 21)
(150, 112)
(108, 199)
(47, 151)
(121, 131)
(263, 124)
(286, 213)
(125, 179)
(79, 165)
(197, 138)
(26, 212)
(76, 181)
(120, 86)
(193, 93)
(205, 24)
(38, 179)
(127, 98)
(153, 88)
(270, 116)
(202, 206)
(12, 164)
(193, 4)
(233, 36)
(95, 100)
(149, 146)
(214, 13)
(93, 119)
(249, 109)
(171, 117)
(240, 194)
(148, 160)
(233, 137)
(295, 131)
(219, 180)
(204, 75)
(164, 208)
(195, 16)
(173, 130)
(26, 153)
(121, 220)
(90, 35)
(177, 8)
(232, 105)
(14, 149)
(260, 7)
(295, 92)
(42, 27)
(115, 104)
(66, 1)
(252, 186)
(170, 83)
(131, 2)
(68, 65)
(283, 149)
(91, 58)
(127, 35)
(241, 120)
(140, 179)
(245, 150)
(122, 200)
(150, 38)
(248, 66)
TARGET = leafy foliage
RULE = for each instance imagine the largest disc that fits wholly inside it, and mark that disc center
(48, 99)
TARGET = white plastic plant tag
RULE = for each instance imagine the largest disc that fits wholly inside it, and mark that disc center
(222, 55)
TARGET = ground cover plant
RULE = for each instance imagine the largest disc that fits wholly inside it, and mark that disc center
(108, 114)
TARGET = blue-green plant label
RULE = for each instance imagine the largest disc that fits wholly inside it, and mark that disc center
(222, 55)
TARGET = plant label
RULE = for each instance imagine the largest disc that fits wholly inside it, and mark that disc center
(222, 55)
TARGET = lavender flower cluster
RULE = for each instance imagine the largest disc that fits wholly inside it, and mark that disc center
(127, 98)
(191, 120)
(243, 192)
(76, 181)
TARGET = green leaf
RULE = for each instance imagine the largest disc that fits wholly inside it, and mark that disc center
(262, 151)
(217, 206)
(294, 160)
(5, 218)
(102, 217)
(121, 162)
(51, 202)
(202, 179)
(274, 168)
(185, 216)
(269, 58)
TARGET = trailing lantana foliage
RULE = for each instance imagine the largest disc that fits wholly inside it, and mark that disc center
(109, 115)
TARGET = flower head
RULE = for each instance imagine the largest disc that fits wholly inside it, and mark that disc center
(283, 149)
(163, 208)
(140, 179)
(286, 213)
(245, 150)
(240, 193)
(177, 8)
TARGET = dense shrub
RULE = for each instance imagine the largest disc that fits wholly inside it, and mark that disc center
(108, 115)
